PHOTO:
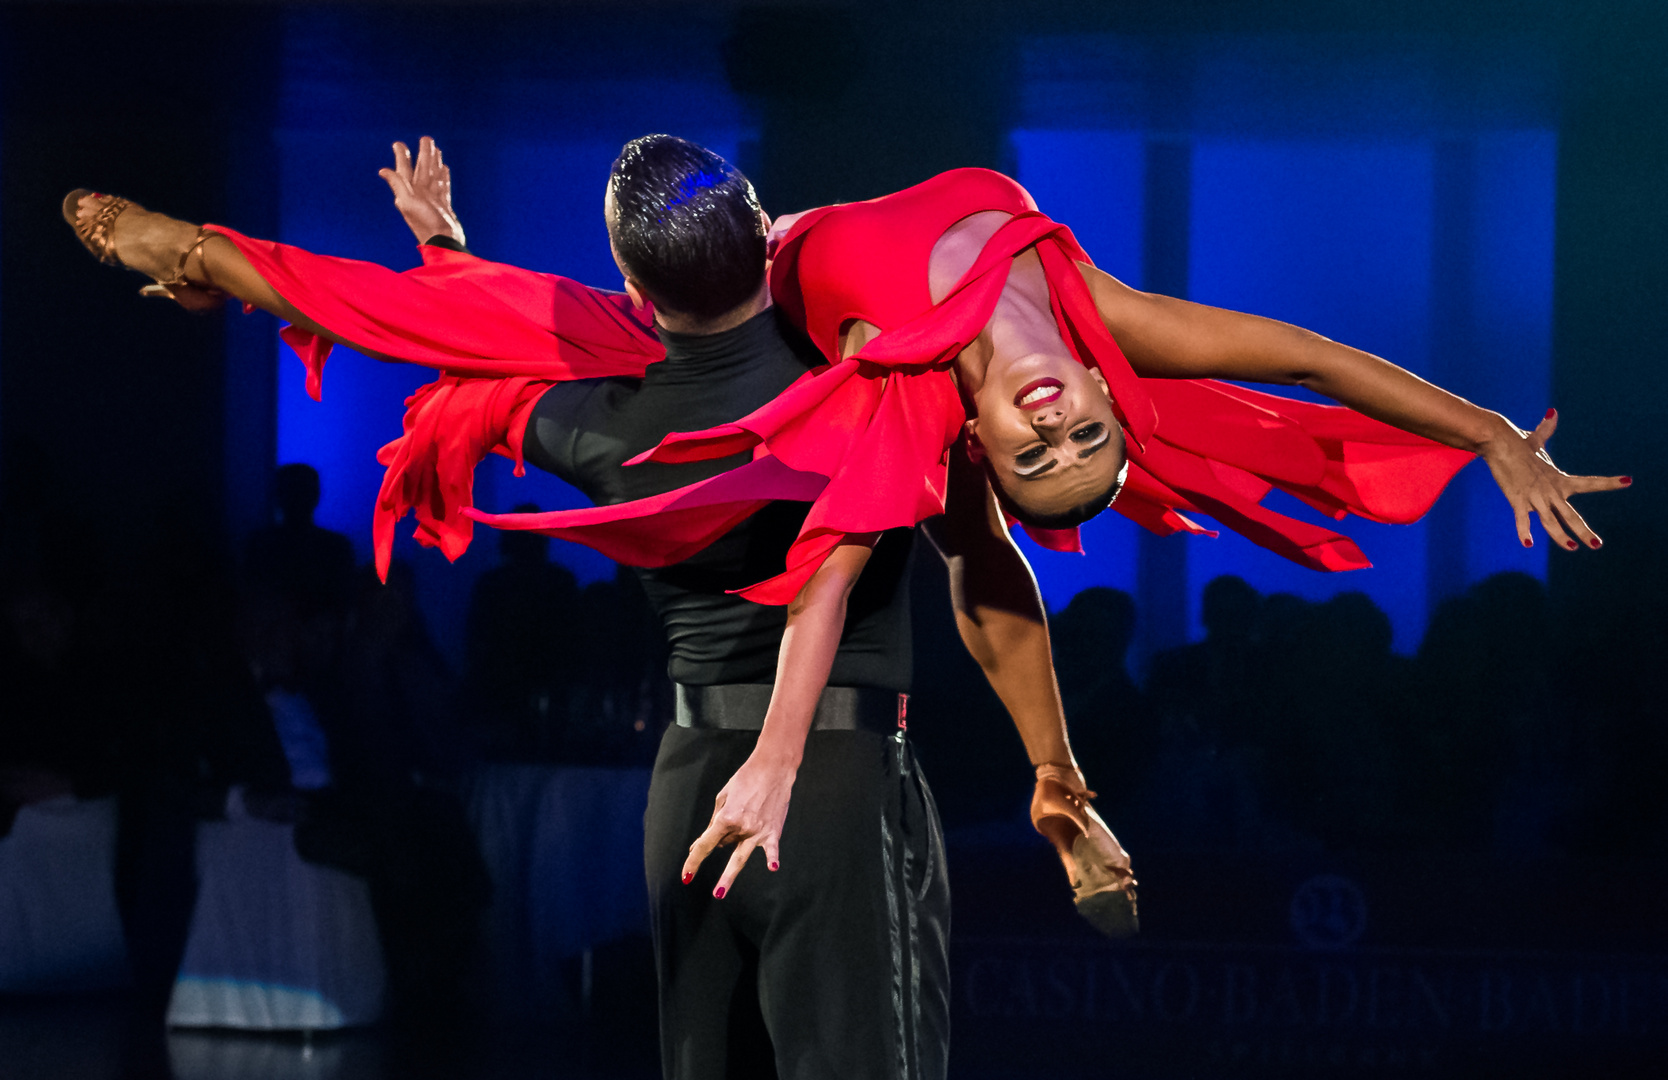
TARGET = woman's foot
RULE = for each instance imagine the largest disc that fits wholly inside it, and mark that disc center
(1103, 886)
(120, 232)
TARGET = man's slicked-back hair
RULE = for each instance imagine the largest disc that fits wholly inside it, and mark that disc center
(686, 226)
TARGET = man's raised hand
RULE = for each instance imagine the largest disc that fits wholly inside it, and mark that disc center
(423, 191)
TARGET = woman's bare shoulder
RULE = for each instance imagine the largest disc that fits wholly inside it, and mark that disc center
(954, 253)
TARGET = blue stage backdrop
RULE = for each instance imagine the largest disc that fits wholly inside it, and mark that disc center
(1350, 186)
(1343, 186)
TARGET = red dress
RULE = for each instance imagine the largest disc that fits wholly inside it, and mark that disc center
(866, 438)
(879, 423)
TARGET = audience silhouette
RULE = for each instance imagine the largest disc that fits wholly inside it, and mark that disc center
(1112, 730)
(1291, 724)
(523, 649)
(310, 566)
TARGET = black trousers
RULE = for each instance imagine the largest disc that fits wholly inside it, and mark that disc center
(835, 967)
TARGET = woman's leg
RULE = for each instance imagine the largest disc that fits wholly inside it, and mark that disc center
(155, 244)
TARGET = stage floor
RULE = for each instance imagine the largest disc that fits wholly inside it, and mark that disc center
(1226, 981)
(99, 1039)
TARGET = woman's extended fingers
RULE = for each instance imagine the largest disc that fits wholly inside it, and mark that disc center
(1520, 510)
(1576, 523)
(1551, 523)
(738, 859)
(1543, 430)
(1564, 516)
(1557, 516)
(715, 834)
(1533, 483)
(1582, 485)
(722, 831)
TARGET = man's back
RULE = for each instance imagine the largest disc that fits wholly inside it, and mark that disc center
(585, 431)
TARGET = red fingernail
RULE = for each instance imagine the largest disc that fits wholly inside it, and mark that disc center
(1550, 413)
(687, 878)
(1528, 543)
(718, 893)
(1626, 480)
(776, 866)
(1571, 544)
(1595, 543)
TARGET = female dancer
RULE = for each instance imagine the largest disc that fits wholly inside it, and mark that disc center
(1060, 370)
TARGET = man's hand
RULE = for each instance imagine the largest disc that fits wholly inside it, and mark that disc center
(423, 191)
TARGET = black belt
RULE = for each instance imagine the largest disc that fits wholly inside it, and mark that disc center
(742, 707)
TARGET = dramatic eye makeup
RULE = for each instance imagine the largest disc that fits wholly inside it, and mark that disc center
(1088, 438)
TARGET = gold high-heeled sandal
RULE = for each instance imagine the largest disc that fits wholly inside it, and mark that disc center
(97, 235)
(1103, 886)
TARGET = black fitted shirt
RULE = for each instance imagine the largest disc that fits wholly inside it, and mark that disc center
(584, 431)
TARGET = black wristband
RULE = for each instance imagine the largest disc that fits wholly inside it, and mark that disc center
(444, 241)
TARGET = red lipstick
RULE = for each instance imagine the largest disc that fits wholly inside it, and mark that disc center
(1053, 386)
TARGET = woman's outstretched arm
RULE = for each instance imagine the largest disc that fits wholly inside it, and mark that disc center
(1168, 338)
(999, 611)
(752, 808)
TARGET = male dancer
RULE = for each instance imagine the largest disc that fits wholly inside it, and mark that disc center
(834, 964)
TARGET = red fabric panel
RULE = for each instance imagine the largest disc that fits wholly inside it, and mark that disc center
(685, 520)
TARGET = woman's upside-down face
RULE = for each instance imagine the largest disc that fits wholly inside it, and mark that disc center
(1045, 430)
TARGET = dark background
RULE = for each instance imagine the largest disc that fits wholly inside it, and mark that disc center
(129, 433)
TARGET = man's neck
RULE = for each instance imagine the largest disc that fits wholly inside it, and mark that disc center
(687, 324)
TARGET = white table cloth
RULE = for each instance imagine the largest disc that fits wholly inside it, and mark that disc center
(59, 928)
(276, 943)
(564, 847)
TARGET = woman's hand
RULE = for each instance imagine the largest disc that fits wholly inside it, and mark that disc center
(748, 813)
(423, 191)
(776, 230)
(753, 806)
(1531, 482)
